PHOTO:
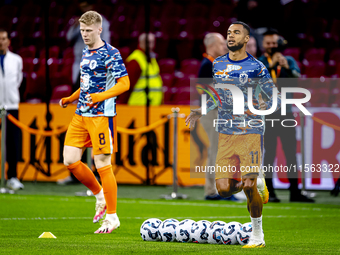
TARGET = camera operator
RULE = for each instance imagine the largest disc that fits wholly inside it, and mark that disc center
(280, 66)
(277, 64)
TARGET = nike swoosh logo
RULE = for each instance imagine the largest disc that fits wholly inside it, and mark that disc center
(101, 148)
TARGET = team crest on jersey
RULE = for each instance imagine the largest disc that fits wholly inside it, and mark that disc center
(243, 78)
(93, 64)
(86, 81)
(229, 98)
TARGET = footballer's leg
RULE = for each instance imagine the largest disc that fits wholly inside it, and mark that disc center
(103, 137)
(77, 137)
(104, 168)
(249, 152)
(255, 205)
(228, 186)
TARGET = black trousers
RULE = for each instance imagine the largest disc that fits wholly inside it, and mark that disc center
(12, 145)
(288, 141)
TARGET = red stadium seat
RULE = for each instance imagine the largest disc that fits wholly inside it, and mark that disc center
(331, 68)
(335, 98)
(30, 10)
(30, 65)
(8, 11)
(335, 55)
(56, 10)
(170, 27)
(319, 97)
(162, 45)
(321, 83)
(221, 11)
(60, 92)
(195, 28)
(168, 79)
(28, 52)
(184, 80)
(124, 52)
(167, 65)
(315, 54)
(169, 93)
(304, 82)
(35, 87)
(25, 27)
(53, 52)
(294, 52)
(197, 10)
(335, 28)
(68, 53)
(172, 10)
(190, 66)
(314, 69)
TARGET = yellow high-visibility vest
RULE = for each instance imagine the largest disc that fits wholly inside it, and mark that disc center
(138, 95)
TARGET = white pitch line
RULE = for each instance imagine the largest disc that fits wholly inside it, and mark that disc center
(179, 217)
(227, 205)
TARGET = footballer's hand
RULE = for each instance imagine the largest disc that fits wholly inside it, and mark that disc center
(263, 105)
(193, 117)
(61, 103)
(89, 99)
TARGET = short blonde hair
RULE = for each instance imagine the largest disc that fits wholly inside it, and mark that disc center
(90, 18)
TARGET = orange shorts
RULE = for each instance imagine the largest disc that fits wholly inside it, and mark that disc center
(238, 155)
(97, 132)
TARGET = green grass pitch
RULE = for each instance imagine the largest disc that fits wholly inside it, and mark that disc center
(289, 228)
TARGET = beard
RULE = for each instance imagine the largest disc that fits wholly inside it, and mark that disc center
(235, 47)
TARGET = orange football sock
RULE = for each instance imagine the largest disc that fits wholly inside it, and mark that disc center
(110, 188)
(85, 176)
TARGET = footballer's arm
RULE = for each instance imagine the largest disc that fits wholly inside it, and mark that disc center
(122, 85)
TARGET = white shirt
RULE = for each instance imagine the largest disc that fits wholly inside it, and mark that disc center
(10, 81)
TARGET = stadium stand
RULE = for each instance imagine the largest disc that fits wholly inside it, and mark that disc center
(179, 27)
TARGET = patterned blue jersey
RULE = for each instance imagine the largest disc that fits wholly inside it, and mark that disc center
(245, 73)
(99, 71)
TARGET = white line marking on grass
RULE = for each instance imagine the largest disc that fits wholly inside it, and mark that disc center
(179, 217)
(155, 202)
(223, 205)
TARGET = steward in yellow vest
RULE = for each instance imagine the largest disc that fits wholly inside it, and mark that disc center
(138, 95)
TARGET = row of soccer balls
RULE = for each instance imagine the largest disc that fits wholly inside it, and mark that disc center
(203, 231)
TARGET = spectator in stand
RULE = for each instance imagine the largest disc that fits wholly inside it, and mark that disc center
(138, 68)
(215, 46)
(251, 46)
(10, 81)
(280, 66)
(73, 35)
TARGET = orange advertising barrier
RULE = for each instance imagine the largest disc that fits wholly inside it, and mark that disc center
(133, 156)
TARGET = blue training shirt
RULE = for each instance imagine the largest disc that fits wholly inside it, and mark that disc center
(99, 71)
(245, 73)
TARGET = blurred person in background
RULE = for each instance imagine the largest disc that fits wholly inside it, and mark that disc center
(280, 66)
(73, 35)
(10, 81)
(138, 68)
(251, 47)
(215, 46)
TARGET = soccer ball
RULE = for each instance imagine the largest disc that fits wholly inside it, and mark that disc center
(167, 230)
(243, 237)
(228, 235)
(149, 231)
(183, 231)
(247, 227)
(214, 232)
(199, 231)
